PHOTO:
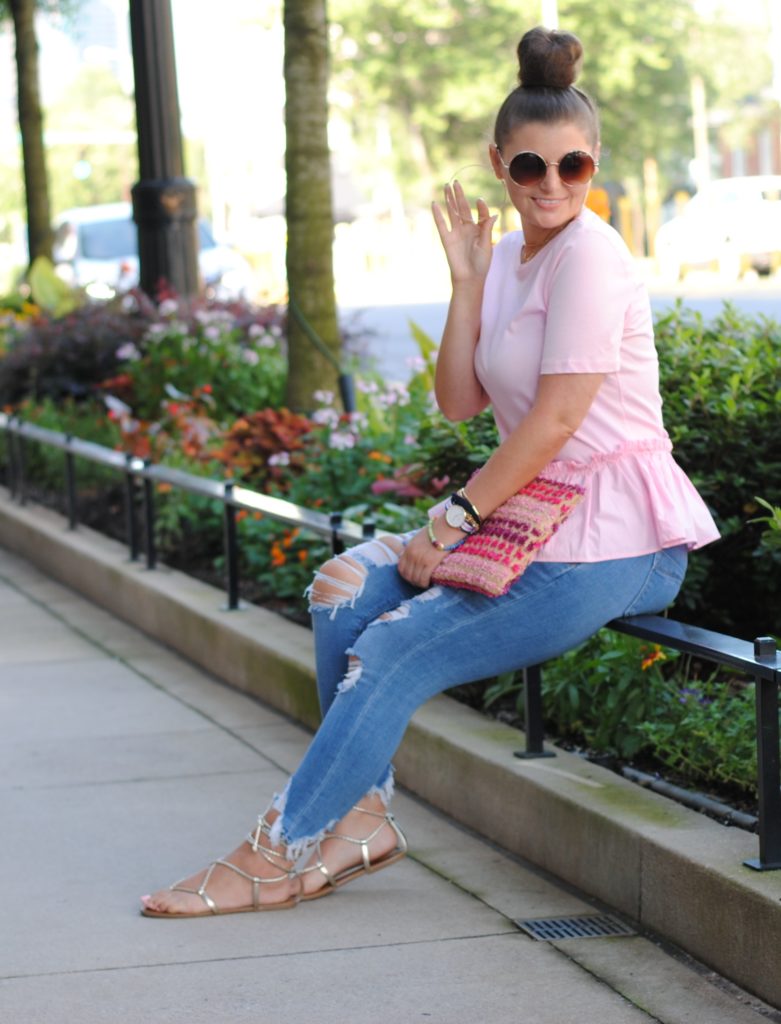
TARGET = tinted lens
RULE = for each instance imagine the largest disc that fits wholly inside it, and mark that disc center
(527, 168)
(576, 168)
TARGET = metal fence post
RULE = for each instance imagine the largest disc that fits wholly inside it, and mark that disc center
(21, 468)
(11, 449)
(231, 548)
(768, 767)
(337, 545)
(131, 523)
(149, 520)
(70, 486)
(532, 721)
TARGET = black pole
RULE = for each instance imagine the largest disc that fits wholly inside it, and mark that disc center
(164, 206)
(533, 719)
(131, 524)
(149, 521)
(70, 488)
(231, 548)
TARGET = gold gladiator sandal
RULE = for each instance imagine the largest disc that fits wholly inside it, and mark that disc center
(210, 907)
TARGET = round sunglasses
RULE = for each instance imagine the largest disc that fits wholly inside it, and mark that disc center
(527, 168)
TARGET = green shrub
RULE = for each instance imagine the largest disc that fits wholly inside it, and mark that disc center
(45, 466)
(721, 383)
(706, 731)
(233, 352)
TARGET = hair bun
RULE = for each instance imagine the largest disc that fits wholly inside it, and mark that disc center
(549, 59)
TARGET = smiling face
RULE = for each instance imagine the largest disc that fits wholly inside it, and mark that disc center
(549, 204)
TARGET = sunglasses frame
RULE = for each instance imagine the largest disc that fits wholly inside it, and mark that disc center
(548, 163)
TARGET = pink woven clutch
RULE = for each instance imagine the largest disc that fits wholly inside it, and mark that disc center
(490, 560)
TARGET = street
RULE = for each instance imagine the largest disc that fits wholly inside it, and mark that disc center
(387, 341)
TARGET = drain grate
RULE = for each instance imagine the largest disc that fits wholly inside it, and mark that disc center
(593, 926)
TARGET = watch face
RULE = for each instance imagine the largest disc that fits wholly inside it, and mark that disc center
(455, 516)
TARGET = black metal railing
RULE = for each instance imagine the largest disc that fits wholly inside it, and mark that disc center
(141, 478)
(759, 661)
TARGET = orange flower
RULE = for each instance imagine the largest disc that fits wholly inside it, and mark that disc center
(278, 556)
(380, 456)
(657, 654)
(290, 537)
(164, 488)
(303, 554)
(241, 514)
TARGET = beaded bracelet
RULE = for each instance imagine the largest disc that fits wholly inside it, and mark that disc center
(438, 543)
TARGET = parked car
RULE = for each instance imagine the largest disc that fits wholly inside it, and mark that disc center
(96, 247)
(730, 225)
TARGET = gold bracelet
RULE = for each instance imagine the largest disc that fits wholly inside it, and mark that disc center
(438, 543)
(468, 500)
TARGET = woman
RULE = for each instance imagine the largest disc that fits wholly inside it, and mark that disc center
(553, 329)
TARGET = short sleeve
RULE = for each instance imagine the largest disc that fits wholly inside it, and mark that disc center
(591, 288)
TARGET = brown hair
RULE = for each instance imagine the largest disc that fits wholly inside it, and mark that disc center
(550, 61)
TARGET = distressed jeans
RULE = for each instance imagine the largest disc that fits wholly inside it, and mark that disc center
(383, 647)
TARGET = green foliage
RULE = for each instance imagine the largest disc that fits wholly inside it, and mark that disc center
(50, 292)
(232, 352)
(623, 698)
(706, 731)
(598, 694)
(45, 466)
(83, 174)
(66, 357)
(423, 71)
(721, 383)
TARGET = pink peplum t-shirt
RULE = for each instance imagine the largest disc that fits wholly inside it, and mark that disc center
(580, 307)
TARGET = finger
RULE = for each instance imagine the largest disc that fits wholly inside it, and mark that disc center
(440, 221)
(462, 204)
(451, 200)
(487, 228)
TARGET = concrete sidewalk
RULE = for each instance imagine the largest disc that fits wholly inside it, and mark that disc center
(124, 767)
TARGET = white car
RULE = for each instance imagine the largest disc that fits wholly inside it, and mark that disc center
(730, 225)
(96, 247)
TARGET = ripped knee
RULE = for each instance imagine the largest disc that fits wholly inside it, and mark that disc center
(340, 580)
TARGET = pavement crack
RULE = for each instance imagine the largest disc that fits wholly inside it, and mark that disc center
(256, 957)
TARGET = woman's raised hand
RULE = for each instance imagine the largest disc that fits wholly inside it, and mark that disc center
(467, 242)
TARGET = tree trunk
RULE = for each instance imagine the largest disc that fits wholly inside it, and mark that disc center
(310, 225)
(36, 183)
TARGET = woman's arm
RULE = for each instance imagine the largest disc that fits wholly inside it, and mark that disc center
(561, 404)
(559, 408)
(468, 249)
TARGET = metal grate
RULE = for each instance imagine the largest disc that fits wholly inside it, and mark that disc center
(593, 926)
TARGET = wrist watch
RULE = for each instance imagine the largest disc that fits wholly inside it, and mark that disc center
(457, 517)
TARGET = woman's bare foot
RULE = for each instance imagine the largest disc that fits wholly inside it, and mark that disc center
(229, 890)
(336, 857)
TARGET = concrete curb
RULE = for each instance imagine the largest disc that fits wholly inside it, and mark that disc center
(675, 872)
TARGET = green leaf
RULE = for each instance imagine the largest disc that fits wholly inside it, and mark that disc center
(48, 290)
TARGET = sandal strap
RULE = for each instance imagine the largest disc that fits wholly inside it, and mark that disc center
(272, 856)
(285, 873)
(386, 819)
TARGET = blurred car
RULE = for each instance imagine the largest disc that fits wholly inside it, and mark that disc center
(730, 225)
(96, 247)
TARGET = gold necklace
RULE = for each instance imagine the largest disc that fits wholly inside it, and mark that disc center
(529, 251)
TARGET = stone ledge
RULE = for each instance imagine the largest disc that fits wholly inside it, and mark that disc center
(674, 871)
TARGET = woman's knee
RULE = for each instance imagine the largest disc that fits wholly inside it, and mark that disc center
(340, 580)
